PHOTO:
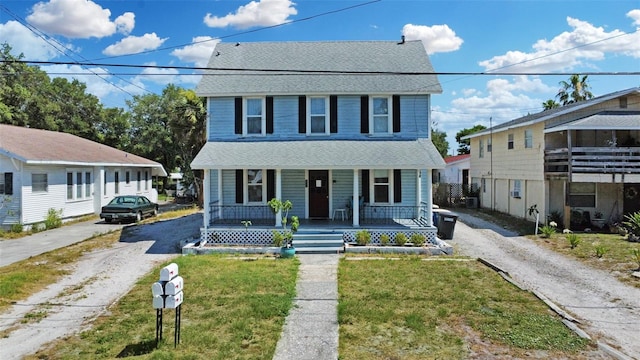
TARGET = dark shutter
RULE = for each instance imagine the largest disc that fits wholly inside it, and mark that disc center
(397, 185)
(8, 183)
(396, 113)
(269, 109)
(333, 114)
(365, 185)
(271, 184)
(364, 114)
(302, 114)
(239, 186)
(238, 114)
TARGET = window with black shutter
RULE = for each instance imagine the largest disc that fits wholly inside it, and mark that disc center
(396, 113)
(239, 186)
(397, 186)
(364, 114)
(302, 115)
(333, 114)
(238, 115)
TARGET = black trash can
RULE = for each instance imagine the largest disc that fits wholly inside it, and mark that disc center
(446, 225)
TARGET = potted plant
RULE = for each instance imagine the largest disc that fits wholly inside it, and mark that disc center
(284, 238)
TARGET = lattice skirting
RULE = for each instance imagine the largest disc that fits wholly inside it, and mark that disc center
(264, 237)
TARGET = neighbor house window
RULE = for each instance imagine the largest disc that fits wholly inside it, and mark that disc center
(87, 184)
(79, 185)
(116, 182)
(517, 189)
(582, 194)
(528, 139)
(39, 183)
(483, 183)
(255, 188)
(104, 190)
(481, 149)
(489, 145)
(381, 115)
(146, 180)
(127, 177)
(381, 186)
(139, 179)
(69, 186)
(318, 119)
(510, 142)
(254, 116)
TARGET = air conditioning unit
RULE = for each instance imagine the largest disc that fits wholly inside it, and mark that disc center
(515, 194)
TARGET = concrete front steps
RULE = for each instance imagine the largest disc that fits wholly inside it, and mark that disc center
(318, 242)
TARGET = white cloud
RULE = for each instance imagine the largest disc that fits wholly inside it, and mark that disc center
(23, 41)
(635, 15)
(567, 50)
(96, 85)
(436, 38)
(78, 19)
(198, 52)
(159, 75)
(134, 45)
(255, 13)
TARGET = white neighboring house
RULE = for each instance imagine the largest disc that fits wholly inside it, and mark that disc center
(42, 170)
(456, 171)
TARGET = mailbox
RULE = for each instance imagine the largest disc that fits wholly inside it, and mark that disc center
(157, 289)
(158, 302)
(174, 286)
(172, 301)
(169, 272)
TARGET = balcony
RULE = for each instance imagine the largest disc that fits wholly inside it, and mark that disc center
(564, 162)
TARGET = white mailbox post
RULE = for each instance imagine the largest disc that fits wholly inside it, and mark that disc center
(167, 294)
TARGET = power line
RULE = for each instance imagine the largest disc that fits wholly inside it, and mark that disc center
(248, 31)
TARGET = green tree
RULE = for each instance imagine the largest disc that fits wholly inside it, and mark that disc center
(114, 128)
(550, 104)
(439, 139)
(464, 146)
(574, 90)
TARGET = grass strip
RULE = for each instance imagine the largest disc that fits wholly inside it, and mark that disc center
(411, 309)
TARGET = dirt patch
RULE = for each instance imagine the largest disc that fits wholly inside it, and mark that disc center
(97, 281)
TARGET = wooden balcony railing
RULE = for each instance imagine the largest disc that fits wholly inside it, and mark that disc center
(602, 160)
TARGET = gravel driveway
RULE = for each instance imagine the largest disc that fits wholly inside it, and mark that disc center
(97, 281)
(609, 311)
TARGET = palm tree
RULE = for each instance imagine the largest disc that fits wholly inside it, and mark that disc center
(576, 89)
(550, 104)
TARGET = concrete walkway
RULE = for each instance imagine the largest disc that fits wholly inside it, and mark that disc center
(311, 329)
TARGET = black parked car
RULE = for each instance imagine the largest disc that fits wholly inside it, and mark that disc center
(128, 207)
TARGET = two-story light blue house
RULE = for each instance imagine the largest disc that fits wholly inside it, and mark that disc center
(342, 129)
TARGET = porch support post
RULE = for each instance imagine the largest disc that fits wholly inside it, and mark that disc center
(428, 198)
(356, 200)
(279, 195)
(207, 197)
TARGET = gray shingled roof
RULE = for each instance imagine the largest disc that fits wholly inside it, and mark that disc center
(552, 113)
(42, 147)
(321, 154)
(392, 68)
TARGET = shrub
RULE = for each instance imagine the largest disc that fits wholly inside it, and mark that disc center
(37, 227)
(278, 238)
(547, 230)
(384, 239)
(600, 250)
(632, 223)
(635, 253)
(363, 237)
(54, 219)
(17, 228)
(574, 240)
(400, 239)
(418, 239)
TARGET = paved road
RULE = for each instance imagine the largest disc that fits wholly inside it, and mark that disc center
(608, 309)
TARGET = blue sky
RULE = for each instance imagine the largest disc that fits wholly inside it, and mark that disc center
(535, 37)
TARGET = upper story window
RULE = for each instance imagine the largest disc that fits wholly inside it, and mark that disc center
(528, 139)
(39, 183)
(381, 115)
(318, 117)
(510, 142)
(254, 122)
(481, 148)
